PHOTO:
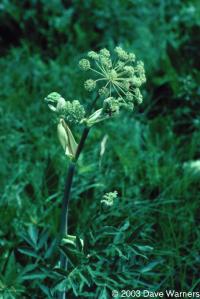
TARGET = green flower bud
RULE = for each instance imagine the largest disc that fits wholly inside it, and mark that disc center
(123, 55)
(125, 85)
(129, 96)
(131, 57)
(129, 69)
(139, 67)
(105, 52)
(138, 96)
(66, 139)
(106, 62)
(93, 55)
(143, 79)
(120, 65)
(90, 84)
(84, 64)
(136, 81)
(139, 70)
(104, 92)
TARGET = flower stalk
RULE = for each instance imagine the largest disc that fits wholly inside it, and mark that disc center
(66, 199)
(117, 80)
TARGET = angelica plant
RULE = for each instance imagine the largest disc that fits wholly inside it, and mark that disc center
(116, 80)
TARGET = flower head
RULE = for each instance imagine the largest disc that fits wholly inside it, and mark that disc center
(71, 111)
(119, 76)
(84, 64)
(90, 84)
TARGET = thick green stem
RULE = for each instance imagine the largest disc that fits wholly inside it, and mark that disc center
(82, 142)
(65, 201)
(66, 198)
(64, 217)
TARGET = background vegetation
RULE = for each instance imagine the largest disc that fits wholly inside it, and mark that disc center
(149, 239)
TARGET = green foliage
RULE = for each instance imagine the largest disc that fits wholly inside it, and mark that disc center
(110, 259)
(149, 237)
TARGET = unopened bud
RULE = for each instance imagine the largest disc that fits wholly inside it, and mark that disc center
(66, 139)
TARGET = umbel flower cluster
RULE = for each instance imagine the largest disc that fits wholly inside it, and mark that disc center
(117, 81)
(72, 112)
(117, 78)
